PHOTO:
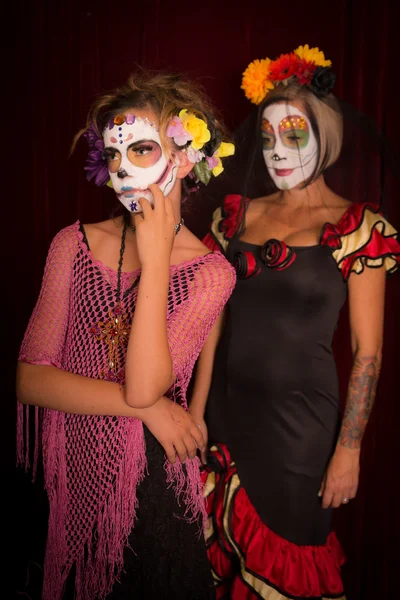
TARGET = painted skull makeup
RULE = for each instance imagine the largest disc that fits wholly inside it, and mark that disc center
(135, 159)
(290, 147)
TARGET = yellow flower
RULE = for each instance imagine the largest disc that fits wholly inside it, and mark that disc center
(196, 127)
(314, 55)
(225, 149)
(256, 83)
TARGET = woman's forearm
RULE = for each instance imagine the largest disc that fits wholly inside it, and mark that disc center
(360, 399)
(201, 387)
(204, 370)
(148, 370)
(50, 387)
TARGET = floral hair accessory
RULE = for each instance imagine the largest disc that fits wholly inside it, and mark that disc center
(96, 165)
(308, 66)
(192, 134)
(177, 131)
(186, 127)
(212, 165)
(196, 127)
(214, 162)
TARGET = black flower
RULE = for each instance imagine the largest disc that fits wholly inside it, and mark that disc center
(323, 81)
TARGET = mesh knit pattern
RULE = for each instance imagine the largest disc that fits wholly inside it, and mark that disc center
(93, 464)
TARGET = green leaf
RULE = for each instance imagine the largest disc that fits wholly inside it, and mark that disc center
(202, 172)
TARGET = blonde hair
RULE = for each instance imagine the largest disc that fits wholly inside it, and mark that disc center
(325, 117)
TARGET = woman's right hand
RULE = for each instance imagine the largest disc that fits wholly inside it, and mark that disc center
(201, 424)
(155, 229)
(175, 429)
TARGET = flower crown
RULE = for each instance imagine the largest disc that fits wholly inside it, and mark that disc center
(188, 131)
(305, 65)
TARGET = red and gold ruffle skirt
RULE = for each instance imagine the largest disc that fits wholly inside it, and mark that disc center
(249, 560)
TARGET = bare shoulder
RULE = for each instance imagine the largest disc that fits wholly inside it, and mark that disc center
(263, 201)
(108, 227)
(258, 208)
(188, 246)
(337, 207)
(96, 232)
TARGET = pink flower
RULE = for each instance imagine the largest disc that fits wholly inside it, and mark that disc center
(177, 131)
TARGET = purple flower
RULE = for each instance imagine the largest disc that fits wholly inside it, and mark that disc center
(91, 135)
(193, 155)
(212, 161)
(96, 164)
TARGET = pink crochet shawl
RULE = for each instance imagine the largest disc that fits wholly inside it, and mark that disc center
(93, 464)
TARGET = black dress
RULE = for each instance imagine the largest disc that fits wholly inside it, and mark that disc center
(273, 407)
(274, 398)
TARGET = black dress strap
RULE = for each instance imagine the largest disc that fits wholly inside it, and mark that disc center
(83, 232)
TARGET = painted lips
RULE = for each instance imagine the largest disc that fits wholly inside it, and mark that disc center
(284, 172)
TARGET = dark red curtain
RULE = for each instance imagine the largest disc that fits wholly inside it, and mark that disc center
(62, 53)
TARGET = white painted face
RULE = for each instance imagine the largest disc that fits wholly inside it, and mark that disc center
(135, 158)
(290, 147)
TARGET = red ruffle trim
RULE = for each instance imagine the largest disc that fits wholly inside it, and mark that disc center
(378, 246)
(350, 221)
(211, 243)
(231, 215)
(238, 532)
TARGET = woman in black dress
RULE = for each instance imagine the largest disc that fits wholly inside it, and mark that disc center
(281, 458)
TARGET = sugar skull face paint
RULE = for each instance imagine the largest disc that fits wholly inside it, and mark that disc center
(290, 147)
(135, 159)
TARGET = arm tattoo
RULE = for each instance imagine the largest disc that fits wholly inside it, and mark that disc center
(360, 399)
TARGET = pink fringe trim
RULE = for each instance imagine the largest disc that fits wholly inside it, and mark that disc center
(188, 488)
(99, 563)
(23, 458)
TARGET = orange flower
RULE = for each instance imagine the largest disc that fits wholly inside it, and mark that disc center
(256, 82)
(284, 67)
